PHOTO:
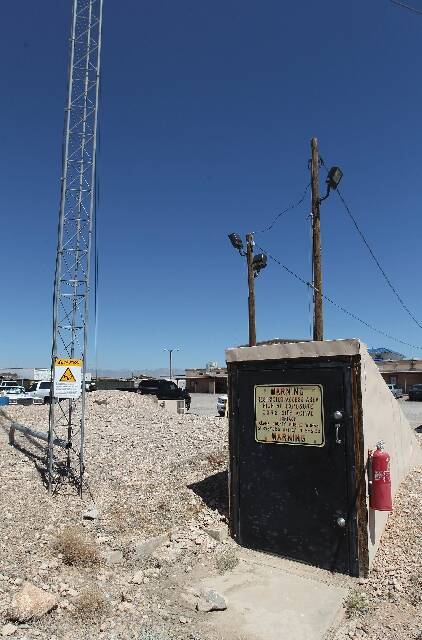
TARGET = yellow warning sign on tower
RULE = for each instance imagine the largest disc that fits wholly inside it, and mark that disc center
(68, 376)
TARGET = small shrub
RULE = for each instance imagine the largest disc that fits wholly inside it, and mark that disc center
(217, 459)
(227, 561)
(91, 605)
(356, 603)
(76, 548)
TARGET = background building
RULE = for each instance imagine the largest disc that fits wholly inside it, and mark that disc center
(402, 373)
(212, 379)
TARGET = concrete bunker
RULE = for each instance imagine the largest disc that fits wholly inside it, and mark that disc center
(302, 417)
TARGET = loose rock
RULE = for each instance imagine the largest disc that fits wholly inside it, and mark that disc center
(145, 549)
(115, 557)
(219, 534)
(210, 600)
(31, 603)
(91, 513)
(138, 578)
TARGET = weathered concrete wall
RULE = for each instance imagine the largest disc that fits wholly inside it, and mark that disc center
(294, 350)
(172, 406)
(381, 415)
(383, 419)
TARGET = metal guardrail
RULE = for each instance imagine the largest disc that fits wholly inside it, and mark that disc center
(15, 426)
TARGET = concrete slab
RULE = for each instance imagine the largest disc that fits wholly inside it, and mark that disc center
(266, 602)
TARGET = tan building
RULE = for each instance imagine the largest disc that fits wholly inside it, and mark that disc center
(206, 380)
(402, 373)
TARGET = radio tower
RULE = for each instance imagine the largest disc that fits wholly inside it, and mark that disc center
(76, 220)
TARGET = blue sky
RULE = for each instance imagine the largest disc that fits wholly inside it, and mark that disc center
(206, 116)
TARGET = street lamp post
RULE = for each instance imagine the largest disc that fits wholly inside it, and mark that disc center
(254, 265)
(170, 359)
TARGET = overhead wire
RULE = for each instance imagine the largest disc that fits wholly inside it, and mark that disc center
(337, 305)
(289, 208)
(96, 242)
(374, 257)
(406, 6)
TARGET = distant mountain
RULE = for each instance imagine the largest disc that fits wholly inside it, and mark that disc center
(128, 373)
(380, 354)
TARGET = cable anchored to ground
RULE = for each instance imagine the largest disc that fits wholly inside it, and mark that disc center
(339, 306)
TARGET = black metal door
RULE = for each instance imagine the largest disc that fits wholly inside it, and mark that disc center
(296, 499)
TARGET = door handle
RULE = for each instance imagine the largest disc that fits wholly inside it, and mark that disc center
(337, 416)
(337, 426)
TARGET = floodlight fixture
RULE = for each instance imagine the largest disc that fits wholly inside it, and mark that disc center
(259, 262)
(236, 241)
(254, 263)
(335, 174)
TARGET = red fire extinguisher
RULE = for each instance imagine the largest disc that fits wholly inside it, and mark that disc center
(379, 479)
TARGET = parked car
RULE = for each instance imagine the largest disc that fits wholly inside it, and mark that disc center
(221, 404)
(415, 392)
(18, 395)
(40, 390)
(5, 385)
(396, 391)
(164, 390)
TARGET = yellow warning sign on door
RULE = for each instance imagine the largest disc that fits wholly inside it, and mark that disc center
(289, 414)
(68, 376)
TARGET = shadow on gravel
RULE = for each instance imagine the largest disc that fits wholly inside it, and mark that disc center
(39, 458)
(38, 454)
(214, 491)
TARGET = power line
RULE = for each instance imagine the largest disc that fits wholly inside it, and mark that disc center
(339, 306)
(406, 6)
(289, 208)
(377, 262)
(375, 259)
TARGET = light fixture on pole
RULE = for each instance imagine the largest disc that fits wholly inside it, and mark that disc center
(259, 262)
(334, 177)
(255, 264)
(237, 243)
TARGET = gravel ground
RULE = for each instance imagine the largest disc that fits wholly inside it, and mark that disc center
(388, 605)
(412, 411)
(146, 473)
(156, 474)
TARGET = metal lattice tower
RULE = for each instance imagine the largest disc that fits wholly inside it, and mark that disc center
(76, 221)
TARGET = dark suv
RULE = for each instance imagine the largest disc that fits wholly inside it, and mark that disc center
(415, 392)
(164, 390)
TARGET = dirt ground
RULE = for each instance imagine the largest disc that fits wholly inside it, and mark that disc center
(159, 483)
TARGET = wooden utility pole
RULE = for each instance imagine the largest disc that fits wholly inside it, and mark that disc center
(251, 287)
(316, 243)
